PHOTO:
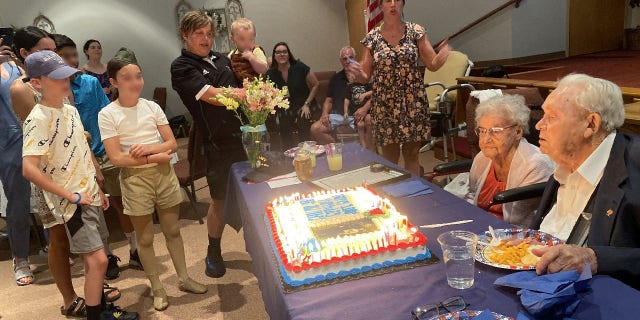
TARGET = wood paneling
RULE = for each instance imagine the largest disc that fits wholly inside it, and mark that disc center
(355, 19)
(594, 25)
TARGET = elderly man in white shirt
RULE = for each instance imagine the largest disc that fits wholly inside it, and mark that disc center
(591, 201)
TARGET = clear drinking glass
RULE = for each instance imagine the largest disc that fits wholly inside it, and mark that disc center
(311, 147)
(334, 156)
(458, 248)
(302, 165)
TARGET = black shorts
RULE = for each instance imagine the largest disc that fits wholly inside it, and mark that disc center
(220, 157)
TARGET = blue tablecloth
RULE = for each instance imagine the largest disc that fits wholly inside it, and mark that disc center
(394, 295)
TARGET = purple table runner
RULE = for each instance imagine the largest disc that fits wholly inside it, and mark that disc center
(394, 295)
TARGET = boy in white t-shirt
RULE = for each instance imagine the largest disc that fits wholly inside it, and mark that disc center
(247, 60)
(58, 159)
(129, 127)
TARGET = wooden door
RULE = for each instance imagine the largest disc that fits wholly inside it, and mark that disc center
(355, 18)
(594, 25)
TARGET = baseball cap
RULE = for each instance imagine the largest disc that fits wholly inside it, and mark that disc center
(47, 63)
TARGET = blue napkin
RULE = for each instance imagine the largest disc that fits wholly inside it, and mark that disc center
(407, 188)
(551, 295)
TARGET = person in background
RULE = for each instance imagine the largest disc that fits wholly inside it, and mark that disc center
(399, 113)
(286, 71)
(247, 60)
(93, 51)
(218, 126)
(591, 201)
(89, 99)
(129, 127)
(506, 160)
(17, 189)
(333, 106)
(65, 170)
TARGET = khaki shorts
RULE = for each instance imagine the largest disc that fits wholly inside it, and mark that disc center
(86, 229)
(144, 189)
(111, 175)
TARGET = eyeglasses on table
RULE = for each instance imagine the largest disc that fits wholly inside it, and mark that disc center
(428, 311)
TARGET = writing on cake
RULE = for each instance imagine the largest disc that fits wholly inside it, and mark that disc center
(329, 234)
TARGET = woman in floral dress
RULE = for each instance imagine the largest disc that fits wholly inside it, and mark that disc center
(399, 110)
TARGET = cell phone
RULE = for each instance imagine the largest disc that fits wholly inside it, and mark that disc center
(7, 36)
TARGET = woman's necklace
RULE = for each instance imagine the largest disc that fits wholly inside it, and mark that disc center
(393, 35)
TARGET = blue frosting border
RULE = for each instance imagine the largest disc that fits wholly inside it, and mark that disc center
(343, 273)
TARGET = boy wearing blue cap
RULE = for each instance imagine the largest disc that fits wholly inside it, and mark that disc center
(57, 158)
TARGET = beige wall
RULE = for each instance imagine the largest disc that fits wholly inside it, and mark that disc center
(536, 27)
(315, 30)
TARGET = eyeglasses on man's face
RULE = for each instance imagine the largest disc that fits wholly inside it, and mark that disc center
(494, 131)
(429, 311)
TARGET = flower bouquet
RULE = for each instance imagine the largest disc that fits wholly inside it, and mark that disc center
(256, 100)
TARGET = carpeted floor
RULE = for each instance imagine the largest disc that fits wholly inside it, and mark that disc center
(235, 296)
(616, 66)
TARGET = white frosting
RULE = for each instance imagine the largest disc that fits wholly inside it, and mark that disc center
(297, 216)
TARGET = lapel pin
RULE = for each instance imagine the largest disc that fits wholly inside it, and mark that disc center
(609, 213)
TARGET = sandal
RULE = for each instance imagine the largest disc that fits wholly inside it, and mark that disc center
(108, 293)
(21, 270)
(160, 301)
(77, 309)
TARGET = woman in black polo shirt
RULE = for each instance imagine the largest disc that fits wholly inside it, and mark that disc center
(198, 75)
(286, 71)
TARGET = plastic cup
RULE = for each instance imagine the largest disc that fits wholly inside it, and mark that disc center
(458, 248)
(311, 147)
(334, 156)
(302, 165)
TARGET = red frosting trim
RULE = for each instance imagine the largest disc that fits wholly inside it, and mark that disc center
(417, 237)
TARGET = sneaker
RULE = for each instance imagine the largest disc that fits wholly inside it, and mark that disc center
(113, 271)
(113, 312)
(134, 260)
(214, 269)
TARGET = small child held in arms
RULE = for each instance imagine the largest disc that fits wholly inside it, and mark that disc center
(129, 128)
(357, 103)
(248, 60)
(58, 159)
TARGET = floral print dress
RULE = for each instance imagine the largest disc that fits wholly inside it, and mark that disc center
(399, 110)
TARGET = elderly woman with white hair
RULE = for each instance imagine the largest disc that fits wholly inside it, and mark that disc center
(506, 159)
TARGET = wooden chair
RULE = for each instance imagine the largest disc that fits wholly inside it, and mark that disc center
(193, 168)
(160, 97)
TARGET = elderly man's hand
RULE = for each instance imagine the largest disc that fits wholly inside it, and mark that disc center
(565, 257)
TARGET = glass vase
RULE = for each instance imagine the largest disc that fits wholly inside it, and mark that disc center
(255, 140)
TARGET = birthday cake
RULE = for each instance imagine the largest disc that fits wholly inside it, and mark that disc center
(333, 234)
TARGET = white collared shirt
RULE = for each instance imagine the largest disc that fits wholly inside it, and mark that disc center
(575, 190)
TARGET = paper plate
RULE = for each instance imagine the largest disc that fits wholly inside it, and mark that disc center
(292, 152)
(481, 249)
(467, 314)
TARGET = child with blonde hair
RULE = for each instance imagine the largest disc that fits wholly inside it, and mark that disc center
(248, 60)
(129, 128)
